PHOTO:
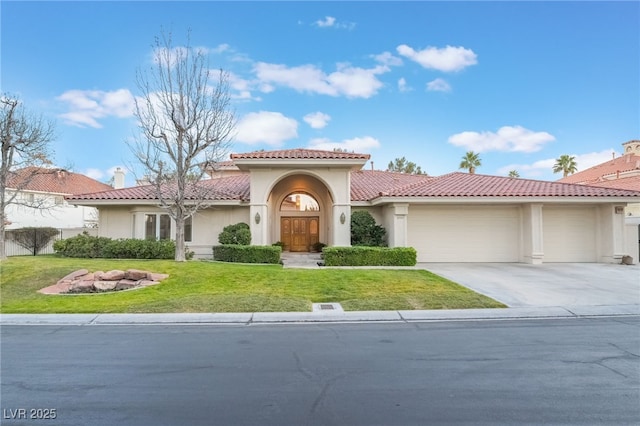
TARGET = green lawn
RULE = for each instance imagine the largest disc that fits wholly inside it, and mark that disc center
(199, 286)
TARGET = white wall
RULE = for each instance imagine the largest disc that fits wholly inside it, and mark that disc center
(55, 215)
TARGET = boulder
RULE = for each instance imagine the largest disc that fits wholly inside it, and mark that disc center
(146, 283)
(98, 275)
(104, 285)
(135, 274)
(74, 275)
(82, 286)
(115, 275)
(156, 277)
(88, 277)
(125, 284)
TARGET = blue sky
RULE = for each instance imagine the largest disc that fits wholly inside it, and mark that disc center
(519, 82)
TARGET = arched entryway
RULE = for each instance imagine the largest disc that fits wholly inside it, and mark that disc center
(300, 206)
(299, 222)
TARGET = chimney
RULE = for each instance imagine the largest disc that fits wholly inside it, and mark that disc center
(372, 165)
(118, 179)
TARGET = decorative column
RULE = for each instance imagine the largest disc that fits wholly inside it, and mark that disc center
(532, 235)
(611, 245)
(396, 224)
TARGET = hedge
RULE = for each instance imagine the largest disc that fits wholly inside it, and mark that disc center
(369, 256)
(87, 246)
(247, 254)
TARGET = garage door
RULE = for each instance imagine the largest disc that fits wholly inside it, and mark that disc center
(464, 234)
(569, 234)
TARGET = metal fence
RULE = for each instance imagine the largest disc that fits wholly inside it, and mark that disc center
(12, 248)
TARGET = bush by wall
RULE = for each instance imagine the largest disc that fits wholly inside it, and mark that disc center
(239, 233)
(87, 246)
(365, 231)
(247, 254)
(369, 256)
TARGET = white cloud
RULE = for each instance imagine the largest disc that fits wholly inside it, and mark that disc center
(542, 167)
(445, 59)
(86, 107)
(272, 128)
(353, 82)
(438, 85)
(403, 86)
(359, 144)
(317, 120)
(332, 22)
(241, 88)
(386, 58)
(328, 21)
(94, 173)
(507, 138)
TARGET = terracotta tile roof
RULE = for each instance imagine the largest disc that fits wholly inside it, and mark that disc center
(57, 181)
(609, 168)
(228, 188)
(460, 184)
(299, 154)
(631, 183)
(367, 185)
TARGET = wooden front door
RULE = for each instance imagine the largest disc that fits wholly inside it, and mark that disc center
(299, 233)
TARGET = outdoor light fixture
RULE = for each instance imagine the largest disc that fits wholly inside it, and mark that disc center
(342, 218)
(257, 218)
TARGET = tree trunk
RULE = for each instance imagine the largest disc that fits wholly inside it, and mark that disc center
(180, 246)
(472, 170)
(3, 253)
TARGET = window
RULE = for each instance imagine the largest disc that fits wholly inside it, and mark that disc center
(299, 201)
(158, 227)
(59, 200)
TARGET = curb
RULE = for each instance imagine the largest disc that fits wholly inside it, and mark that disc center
(322, 317)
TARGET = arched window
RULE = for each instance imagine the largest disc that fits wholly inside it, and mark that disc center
(299, 202)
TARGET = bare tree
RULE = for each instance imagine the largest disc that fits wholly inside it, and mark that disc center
(184, 122)
(25, 149)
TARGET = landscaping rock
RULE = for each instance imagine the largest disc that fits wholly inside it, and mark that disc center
(126, 284)
(135, 274)
(104, 285)
(115, 275)
(74, 275)
(81, 281)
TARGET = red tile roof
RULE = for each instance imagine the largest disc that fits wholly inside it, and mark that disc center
(228, 188)
(56, 181)
(631, 183)
(299, 154)
(609, 168)
(367, 185)
(459, 184)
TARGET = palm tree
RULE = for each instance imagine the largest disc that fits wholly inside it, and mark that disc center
(470, 161)
(565, 164)
(514, 174)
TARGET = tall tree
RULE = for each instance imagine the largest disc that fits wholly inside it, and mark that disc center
(184, 122)
(25, 149)
(403, 166)
(471, 161)
(565, 164)
(514, 174)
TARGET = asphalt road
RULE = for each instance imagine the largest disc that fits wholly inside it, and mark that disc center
(569, 371)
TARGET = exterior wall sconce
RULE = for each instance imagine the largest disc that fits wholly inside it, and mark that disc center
(342, 218)
(257, 218)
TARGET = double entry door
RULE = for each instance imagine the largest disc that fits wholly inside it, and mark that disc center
(299, 233)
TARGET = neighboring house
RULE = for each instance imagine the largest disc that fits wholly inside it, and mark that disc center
(41, 199)
(301, 196)
(618, 173)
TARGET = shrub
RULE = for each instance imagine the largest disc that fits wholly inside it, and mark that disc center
(369, 256)
(235, 234)
(278, 243)
(247, 254)
(32, 238)
(86, 246)
(318, 246)
(365, 231)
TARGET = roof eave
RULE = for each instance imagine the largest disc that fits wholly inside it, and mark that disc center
(350, 163)
(506, 200)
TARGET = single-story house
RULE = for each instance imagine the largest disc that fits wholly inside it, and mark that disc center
(302, 196)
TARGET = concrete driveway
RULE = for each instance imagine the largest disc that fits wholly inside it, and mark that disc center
(551, 284)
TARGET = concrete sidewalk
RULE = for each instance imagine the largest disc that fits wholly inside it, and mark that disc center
(322, 317)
